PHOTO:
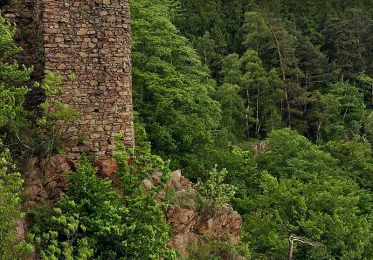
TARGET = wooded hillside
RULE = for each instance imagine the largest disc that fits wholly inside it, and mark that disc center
(267, 105)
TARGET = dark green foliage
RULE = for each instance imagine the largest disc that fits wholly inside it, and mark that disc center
(250, 96)
(342, 47)
(171, 88)
(339, 114)
(325, 211)
(355, 158)
(302, 64)
(297, 150)
(216, 20)
(12, 117)
(311, 46)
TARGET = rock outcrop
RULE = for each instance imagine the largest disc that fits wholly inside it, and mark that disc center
(45, 178)
(190, 226)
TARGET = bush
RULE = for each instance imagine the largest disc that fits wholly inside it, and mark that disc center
(95, 219)
(12, 245)
(213, 193)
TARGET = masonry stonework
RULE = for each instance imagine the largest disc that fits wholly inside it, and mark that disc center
(89, 39)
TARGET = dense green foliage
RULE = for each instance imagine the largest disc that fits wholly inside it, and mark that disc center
(261, 66)
(12, 244)
(303, 65)
(12, 116)
(278, 94)
(304, 191)
(310, 49)
(171, 87)
(214, 193)
(99, 220)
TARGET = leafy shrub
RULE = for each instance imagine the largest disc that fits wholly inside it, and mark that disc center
(96, 220)
(12, 245)
(213, 193)
(12, 77)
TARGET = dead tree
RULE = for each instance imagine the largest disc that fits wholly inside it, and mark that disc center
(302, 240)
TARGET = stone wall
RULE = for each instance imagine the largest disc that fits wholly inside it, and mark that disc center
(91, 40)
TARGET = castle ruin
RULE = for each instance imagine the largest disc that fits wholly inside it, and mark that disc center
(91, 40)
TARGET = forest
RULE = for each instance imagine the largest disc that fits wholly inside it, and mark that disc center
(267, 105)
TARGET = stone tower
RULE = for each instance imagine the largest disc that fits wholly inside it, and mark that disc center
(91, 40)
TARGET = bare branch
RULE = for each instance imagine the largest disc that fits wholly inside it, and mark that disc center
(302, 240)
(25, 145)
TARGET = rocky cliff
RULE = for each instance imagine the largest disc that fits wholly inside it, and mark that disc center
(190, 226)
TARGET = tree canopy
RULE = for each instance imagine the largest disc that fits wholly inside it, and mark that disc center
(266, 105)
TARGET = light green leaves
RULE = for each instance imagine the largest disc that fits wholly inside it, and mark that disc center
(12, 245)
(97, 219)
(214, 193)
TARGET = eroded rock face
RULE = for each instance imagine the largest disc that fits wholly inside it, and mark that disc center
(45, 178)
(178, 182)
(107, 167)
(189, 225)
(226, 224)
(182, 220)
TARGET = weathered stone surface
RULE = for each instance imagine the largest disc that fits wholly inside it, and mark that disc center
(182, 220)
(260, 146)
(107, 167)
(151, 181)
(91, 40)
(178, 182)
(227, 222)
(147, 184)
(188, 225)
(45, 178)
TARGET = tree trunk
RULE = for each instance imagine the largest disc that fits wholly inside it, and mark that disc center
(291, 247)
(282, 66)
